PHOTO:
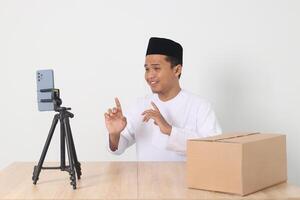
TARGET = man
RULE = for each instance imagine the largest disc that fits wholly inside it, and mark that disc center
(161, 123)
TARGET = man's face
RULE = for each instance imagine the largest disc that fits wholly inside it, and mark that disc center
(159, 75)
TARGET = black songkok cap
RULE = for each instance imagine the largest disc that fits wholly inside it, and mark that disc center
(166, 47)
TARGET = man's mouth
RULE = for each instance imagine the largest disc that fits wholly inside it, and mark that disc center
(153, 83)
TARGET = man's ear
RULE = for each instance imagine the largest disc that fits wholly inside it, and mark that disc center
(177, 70)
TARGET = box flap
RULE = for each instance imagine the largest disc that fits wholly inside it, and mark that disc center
(225, 137)
(253, 138)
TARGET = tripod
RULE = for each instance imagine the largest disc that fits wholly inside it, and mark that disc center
(66, 139)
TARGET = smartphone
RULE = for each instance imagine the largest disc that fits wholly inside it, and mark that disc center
(45, 86)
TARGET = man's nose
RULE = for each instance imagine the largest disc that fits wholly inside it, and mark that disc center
(151, 74)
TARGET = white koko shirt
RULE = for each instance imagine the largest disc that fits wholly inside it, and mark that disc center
(189, 115)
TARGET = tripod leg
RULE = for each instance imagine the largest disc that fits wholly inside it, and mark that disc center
(76, 163)
(37, 169)
(62, 145)
(70, 154)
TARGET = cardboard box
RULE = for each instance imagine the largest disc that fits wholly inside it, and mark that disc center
(240, 163)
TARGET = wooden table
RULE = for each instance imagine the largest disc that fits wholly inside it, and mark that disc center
(118, 180)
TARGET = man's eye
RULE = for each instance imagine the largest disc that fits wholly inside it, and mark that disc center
(146, 69)
(157, 68)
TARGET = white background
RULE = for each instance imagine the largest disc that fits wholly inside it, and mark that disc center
(243, 56)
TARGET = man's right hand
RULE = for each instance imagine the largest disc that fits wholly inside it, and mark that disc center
(115, 123)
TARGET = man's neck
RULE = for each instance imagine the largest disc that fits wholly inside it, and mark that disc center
(169, 94)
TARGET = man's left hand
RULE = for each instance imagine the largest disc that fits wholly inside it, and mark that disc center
(159, 120)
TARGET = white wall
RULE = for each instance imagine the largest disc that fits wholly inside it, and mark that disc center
(241, 55)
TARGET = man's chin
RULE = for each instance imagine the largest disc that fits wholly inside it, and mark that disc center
(154, 90)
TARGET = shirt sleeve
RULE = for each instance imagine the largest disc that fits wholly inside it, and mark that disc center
(207, 125)
(127, 138)
(124, 143)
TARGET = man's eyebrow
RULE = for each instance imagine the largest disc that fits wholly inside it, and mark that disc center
(154, 64)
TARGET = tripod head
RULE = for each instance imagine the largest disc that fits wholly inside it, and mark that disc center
(55, 99)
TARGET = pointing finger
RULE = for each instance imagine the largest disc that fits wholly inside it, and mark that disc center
(154, 106)
(118, 104)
